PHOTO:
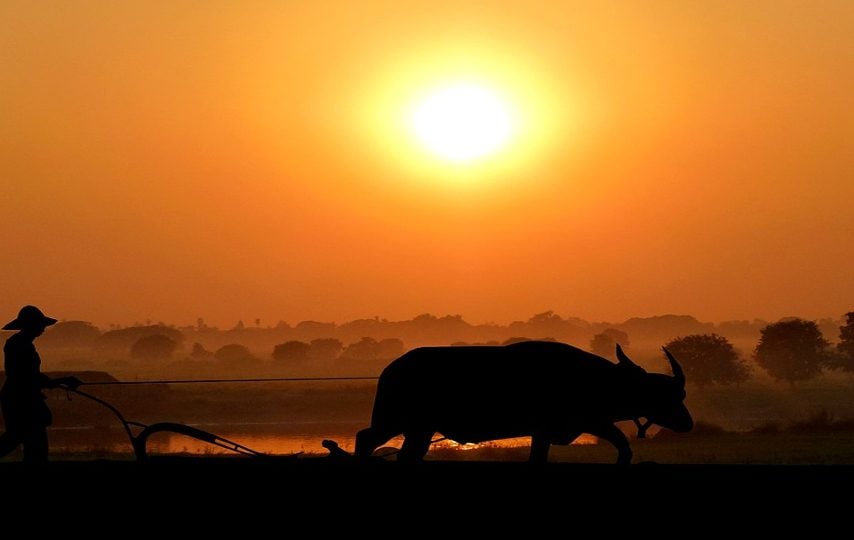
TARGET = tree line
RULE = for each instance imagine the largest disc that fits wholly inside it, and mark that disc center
(158, 347)
(790, 350)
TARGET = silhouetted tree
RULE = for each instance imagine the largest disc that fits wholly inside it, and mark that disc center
(708, 359)
(199, 352)
(325, 349)
(792, 350)
(548, 323)
(291, 351)
(605, 342)
(121, 340)
(233, 353)
(845, 347)
(156, 347)
(546, 317)
(366, 348)
(389, 348)
(314, 329)
(78, 334)
(664, 327)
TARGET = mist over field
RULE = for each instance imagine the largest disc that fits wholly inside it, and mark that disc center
(295, 416)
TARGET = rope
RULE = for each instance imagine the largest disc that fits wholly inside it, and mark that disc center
(206, 381)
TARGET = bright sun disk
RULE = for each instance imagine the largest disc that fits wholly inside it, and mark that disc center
(462, 122)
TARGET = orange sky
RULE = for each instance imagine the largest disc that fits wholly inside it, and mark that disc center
(233, 160)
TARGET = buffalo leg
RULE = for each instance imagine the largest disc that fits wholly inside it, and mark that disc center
(539, 449)
(369, 439)
(415, 446)
(613, 435)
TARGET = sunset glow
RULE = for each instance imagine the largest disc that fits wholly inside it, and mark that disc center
(333, 161)
(462, 122)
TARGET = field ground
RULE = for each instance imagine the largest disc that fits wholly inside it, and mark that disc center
(720, 449)
(322, 497)
(716, 482)
(782, 448)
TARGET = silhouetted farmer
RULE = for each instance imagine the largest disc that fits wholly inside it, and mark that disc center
(24, 409)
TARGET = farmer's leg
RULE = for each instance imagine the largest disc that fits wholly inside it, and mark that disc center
(8, 442)
(35, 444)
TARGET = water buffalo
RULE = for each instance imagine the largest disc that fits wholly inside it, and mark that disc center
(549, 391)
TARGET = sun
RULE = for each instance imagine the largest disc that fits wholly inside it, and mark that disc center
(462, 122)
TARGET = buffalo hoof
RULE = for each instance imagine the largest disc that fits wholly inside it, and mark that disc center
(335, 451)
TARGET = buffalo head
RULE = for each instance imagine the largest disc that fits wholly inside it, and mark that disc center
(661, 398)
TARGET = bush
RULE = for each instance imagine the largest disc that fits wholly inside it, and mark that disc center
(605, 343)
(708, 359)
(291, 351)
(156, 347)
(792, 350)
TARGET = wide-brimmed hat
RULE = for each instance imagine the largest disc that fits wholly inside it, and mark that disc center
(30, 317)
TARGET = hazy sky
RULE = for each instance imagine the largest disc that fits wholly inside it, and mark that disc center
(176, 159)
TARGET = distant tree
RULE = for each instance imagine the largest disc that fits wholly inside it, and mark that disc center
(325, 349)
(77, 334)
(389, 348)
(546, 317)
(365, 349)
(199, 352)
(291, 351)
(121, 340)
(792, 350)
(708, 359)
(156, 347)
(549, 323)
(233, 353)
(314, 329)
(845, 347)
(605, 342)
